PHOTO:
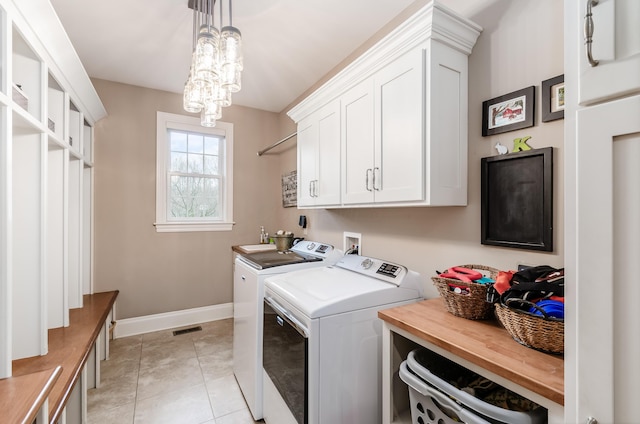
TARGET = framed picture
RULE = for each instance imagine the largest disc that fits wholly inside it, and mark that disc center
(290, 189)
(517, 200)
(510, 112)
(553, 99)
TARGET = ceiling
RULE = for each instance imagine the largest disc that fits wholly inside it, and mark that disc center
(288, 44)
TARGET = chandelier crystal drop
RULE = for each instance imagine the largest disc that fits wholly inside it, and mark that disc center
(216, 64)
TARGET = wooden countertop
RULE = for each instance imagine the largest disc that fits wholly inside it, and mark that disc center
(484, 343)
(22, 397)
(69, 347)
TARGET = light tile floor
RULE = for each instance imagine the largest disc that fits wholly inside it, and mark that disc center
(160, 378)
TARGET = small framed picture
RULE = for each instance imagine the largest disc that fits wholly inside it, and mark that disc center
(290, 189)
(553, 99)
(510, 112)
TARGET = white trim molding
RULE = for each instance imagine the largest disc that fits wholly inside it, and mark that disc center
(164, 223)
(164, 321)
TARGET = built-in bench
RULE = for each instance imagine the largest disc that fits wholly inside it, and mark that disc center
(22, 398)
(70, 349)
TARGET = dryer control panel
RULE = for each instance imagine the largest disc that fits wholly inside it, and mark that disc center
(374, 268)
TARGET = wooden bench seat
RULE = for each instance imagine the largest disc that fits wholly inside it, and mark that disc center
(22, 397)
(69, 347)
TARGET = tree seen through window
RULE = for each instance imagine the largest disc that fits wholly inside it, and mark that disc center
(195, 174)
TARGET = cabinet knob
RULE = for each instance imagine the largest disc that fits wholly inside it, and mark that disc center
(592, 420)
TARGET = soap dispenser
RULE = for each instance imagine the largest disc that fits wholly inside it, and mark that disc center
(263, 236)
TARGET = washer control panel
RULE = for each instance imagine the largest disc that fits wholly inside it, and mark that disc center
(312, 248)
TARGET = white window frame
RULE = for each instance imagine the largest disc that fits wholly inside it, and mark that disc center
(165, 122)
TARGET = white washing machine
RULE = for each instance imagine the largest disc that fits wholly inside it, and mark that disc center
(250, 271)
(322, 340)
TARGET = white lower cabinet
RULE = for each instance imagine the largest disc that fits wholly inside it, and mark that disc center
(602, 205)
(319, 157)
(402, 123)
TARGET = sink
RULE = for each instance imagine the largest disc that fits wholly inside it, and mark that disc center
(257, 247)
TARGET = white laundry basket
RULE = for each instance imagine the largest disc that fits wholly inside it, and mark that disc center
(434, 400)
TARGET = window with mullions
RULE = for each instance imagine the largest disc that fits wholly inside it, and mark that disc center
(193, 183)
(194, 176)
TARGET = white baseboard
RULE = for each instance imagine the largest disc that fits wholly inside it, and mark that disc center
(149, 323)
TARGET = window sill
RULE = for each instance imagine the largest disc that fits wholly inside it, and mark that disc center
(182, 227)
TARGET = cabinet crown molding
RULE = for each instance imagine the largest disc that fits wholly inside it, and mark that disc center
(434, 22)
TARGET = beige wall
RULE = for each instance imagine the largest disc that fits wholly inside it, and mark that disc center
(161, 272)
(521, 45)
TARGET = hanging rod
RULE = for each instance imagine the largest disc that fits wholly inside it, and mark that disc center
(263, 151)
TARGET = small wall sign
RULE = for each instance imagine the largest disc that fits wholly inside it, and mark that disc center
(290, 189)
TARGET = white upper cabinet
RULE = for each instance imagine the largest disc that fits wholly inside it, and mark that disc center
(402, 124)
(319, 158)
(615, 46)
(357, 107)
(399, 130)
(382, 135)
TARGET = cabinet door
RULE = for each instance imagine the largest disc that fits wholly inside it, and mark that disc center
(357, 144)
(248, 293)
(327, 188)
(307, 169)
(606, 249)
(616, 47)
(399, 145)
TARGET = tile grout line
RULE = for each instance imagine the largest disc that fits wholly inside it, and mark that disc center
(135, 404)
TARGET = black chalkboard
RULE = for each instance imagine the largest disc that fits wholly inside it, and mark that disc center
(517, 199)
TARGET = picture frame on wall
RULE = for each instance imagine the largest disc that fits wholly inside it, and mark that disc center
(553, 99)
(290, 190)
(509, 112)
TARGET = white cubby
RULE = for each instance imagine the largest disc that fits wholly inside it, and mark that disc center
(87, 229)
(58, 313)
(3, 56)
(29, 322)
(74, 232)
(45, 179)
(87, 142)
(6, 298)
(56, 107)
(27, 75)
(75, 128)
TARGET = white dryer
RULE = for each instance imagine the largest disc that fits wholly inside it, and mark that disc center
(250, 271)
(322, 340)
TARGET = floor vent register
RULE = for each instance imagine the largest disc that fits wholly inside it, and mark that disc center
(187, 330)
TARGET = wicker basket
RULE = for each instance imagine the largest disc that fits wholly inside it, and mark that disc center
(472, 305)
(534, 331)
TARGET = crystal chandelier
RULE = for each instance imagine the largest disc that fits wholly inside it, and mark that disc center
(216, 64)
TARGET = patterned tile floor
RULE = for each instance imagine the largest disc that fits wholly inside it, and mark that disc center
(160, 378)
